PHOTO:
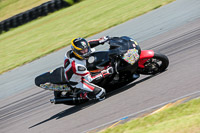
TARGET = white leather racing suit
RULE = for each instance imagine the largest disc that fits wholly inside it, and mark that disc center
(78, 76)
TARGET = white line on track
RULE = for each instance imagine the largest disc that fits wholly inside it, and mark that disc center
(142, 111)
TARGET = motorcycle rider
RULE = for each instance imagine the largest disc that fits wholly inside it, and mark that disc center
(76, 72)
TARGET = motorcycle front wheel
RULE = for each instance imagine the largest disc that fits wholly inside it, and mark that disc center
(157, 64)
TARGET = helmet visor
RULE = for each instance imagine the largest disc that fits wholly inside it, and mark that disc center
(84, 51)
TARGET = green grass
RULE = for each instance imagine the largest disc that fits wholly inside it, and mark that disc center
(44, 35)
(184, 118)
(9, 8)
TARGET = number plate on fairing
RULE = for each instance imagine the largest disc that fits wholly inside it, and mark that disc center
(131, 56)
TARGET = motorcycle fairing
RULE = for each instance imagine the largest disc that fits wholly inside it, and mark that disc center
(98, 60)
(144, 56)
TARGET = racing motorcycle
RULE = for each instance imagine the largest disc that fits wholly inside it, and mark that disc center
(124, 55)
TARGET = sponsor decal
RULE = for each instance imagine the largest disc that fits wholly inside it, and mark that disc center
(131, 56)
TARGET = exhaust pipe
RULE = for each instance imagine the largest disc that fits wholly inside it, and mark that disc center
(67, 100)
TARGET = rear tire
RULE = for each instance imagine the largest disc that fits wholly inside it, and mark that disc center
(156, 64)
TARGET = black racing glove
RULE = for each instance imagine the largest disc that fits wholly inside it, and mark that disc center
(103, 39)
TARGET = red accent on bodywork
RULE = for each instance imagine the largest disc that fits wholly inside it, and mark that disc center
(144, 56)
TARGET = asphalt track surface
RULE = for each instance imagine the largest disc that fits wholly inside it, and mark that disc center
(30, 109)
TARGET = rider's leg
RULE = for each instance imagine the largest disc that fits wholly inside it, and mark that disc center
(94, 91)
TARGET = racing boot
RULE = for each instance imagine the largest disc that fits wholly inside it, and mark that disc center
(136, 76)
(98, 93)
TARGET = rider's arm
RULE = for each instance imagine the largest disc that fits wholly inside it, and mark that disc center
(94, 43)
(81, 70)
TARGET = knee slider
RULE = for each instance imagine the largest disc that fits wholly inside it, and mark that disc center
(100, 93)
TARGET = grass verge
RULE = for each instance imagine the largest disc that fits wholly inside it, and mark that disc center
(184, 118)
(9, 8)
(44, 35)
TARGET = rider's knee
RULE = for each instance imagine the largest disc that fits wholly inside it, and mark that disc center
(98, 93)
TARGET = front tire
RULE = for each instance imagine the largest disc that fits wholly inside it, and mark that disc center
(157, 64)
